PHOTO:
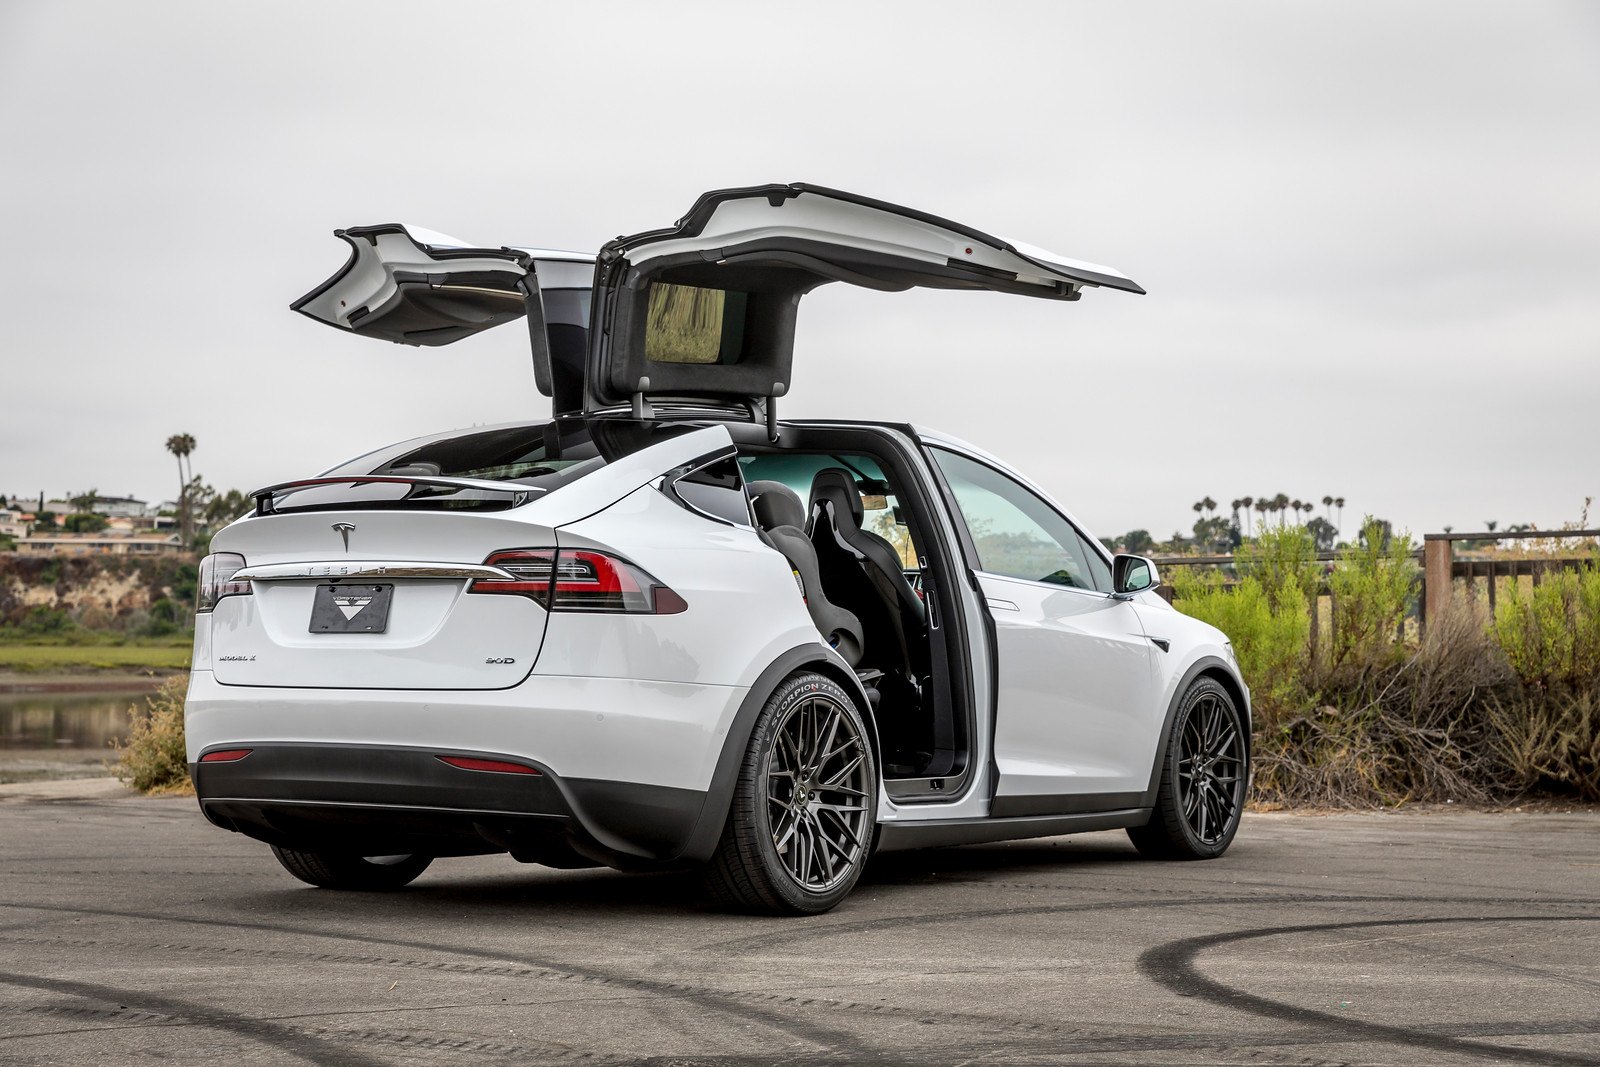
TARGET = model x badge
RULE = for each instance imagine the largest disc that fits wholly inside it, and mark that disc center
(344, 529)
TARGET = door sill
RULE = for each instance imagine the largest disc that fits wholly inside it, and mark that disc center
(926, 790)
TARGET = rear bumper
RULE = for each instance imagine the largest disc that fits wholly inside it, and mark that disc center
(382, 799)
(611, 729)
(625, 766)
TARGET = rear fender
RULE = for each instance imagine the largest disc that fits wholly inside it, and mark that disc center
(702, 840)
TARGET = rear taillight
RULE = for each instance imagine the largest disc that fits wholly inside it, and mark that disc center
(580, 579)
(530, 568)
(226, 755)
(216, 579)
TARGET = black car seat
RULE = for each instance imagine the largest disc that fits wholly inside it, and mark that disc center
(860, 570)
(780, 517)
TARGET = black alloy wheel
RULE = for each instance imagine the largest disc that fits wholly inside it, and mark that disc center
(801, 825)
(1203, 780)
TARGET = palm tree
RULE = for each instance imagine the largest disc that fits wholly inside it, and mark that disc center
(1327, 502)
(1280, 504)
(1338, 502)
(1209, 504)
(1247, 502)
(181, 445)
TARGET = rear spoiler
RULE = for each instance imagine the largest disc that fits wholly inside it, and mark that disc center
(452, 493)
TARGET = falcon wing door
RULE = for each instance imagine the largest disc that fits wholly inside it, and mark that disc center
(416, 287)
(706, 308)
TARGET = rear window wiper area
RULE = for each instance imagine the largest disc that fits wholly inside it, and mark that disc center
(390, 492)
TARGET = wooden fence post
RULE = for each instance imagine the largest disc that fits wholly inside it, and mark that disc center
(1436, 567)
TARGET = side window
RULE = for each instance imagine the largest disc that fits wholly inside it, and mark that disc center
(1017, 534)
(716, 489)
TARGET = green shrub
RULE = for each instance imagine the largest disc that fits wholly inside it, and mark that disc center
(1270, 642)
(41, 621)
(1552, 636)
(1284, 562)
(153, 760)
(84, 522)
(1371, 587)
(163, 618)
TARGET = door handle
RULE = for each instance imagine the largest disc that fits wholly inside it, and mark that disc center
(1004, 605)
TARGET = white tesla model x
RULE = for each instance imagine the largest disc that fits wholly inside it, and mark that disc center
(665, 628)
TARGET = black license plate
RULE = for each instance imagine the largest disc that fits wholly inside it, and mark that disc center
(351, 609)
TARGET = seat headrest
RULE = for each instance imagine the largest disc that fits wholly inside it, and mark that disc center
(776, 505)
(835, 485)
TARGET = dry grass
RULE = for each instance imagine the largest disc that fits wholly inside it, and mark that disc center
(152, 759)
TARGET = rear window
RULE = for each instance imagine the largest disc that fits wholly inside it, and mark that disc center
(545, 455)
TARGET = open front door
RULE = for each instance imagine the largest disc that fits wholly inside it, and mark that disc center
(417, 287)
(706, 308)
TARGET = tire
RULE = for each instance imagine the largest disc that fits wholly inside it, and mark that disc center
(801, 824)
(332, 870)
(1205, 774)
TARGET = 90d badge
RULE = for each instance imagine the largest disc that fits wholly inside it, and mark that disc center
(500, 659)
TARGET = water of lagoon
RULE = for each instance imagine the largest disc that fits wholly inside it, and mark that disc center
(66, 722)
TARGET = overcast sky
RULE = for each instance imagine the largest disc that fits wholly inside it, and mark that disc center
(1370, 232)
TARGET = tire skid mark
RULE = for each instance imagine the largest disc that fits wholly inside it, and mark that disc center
(702, 996)
(782, 1000)
(292, 1040)
(1081, 1040)
(1174, 965)
(408, 1039)
(807, 931)
(1256, 1047)
(1053, 1037)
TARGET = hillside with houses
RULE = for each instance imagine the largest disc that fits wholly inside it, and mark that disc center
(90, 524)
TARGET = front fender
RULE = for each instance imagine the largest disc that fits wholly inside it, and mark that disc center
(1193, 652)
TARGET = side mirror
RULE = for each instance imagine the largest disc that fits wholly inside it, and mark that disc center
(1132, 574)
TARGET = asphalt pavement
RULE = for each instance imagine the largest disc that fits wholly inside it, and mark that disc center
(133, 932)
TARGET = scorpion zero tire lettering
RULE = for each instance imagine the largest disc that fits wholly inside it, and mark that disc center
(800, 827)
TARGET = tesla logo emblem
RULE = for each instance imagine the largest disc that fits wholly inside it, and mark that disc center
(344, 529)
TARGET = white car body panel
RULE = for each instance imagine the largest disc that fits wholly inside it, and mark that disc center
(728, 567)
(819, 216)
(1078, 704)
(379, 254)
(436, 639)
(439, 636)
(654, 733)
